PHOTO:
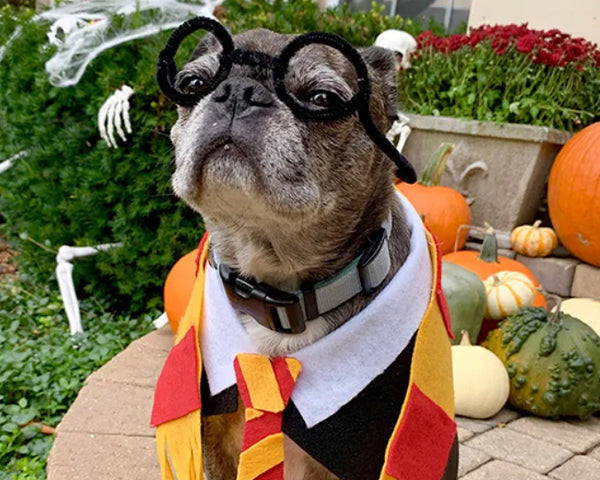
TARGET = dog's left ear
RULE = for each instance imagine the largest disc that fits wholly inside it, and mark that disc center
(382, 62)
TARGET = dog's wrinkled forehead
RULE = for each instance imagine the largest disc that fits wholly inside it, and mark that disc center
(314, 64)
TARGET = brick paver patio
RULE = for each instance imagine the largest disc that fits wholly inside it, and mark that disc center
(105, 435)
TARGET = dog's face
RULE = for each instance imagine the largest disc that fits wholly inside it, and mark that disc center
(241, 152)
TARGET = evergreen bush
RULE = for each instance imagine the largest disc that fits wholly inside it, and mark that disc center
(72, 189)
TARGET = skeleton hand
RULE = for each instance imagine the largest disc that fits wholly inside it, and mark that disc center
(113, 113)
(401, 129)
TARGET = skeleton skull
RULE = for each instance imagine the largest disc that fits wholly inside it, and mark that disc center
(401, 43)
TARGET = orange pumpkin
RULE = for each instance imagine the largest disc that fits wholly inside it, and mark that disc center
(178, 288)
(442, 209)
(574, 195)
(487, 263)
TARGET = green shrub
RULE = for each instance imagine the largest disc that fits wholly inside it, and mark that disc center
(42, 368)
(72, 189)
(296, 16)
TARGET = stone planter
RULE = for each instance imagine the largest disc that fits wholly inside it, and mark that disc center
(517, 158)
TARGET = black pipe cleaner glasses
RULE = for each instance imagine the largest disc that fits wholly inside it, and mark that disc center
(166, 73)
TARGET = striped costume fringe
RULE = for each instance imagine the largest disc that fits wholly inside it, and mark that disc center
(417, 450)
(178, 429)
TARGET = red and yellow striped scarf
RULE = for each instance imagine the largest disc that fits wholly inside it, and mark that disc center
(421, 440)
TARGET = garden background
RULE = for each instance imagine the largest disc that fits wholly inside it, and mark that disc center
(71, 188)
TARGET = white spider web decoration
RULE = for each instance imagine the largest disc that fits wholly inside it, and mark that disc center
(11, 39)
(82, 30)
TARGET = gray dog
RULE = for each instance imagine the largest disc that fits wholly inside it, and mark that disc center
(288, 202)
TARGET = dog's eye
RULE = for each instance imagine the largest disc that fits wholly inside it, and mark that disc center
(324, 99)
(191, 84)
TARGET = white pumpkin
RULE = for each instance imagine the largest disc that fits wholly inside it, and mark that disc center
(481, 383)
(585, 309)
(507, 292)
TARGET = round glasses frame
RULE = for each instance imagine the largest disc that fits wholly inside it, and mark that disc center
(166, 74)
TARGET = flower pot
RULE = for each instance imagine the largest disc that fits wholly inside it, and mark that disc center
(517, 159)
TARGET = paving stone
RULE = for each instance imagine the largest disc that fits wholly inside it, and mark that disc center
(136, 365)
(586, 282)
(84, 456)
(476, 426)
(161, 339)
(504, 416)
(595, 453)
(515, 447)
(555, 274)
(112, 409)
(498, 470)
(567, 435)
(578, 468)
(591, 423)
(463, 435)
(470, 459)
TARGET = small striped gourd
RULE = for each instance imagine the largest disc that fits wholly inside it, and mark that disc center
(533, 240)
(507, 292)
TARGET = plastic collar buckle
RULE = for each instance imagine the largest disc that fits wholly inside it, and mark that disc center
(261, 302)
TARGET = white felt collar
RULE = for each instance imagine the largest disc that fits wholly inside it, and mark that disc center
(339, 366)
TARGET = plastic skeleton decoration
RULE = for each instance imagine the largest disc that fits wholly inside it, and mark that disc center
(113, 114)
(10, 40)
(10, 162)
(401, 43)
(400, 129)
(64, 275)
(359, 103)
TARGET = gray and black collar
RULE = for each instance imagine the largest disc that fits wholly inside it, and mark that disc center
(288, 312)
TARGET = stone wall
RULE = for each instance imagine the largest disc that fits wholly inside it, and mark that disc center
(518, 159)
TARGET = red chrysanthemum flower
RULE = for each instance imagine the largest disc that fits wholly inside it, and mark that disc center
(526, 43)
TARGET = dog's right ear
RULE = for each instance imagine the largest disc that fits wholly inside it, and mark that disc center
(208, 44)
(383, 63)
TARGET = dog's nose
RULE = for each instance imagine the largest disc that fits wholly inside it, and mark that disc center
(243, 95)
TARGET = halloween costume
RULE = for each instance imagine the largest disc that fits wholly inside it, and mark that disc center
(400, 412)
(366, 404)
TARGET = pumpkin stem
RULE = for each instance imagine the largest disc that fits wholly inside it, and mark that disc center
(460, 229)
(537, 223)
(432, 175)
(489, 249)
(555, 317)
(464, 338)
